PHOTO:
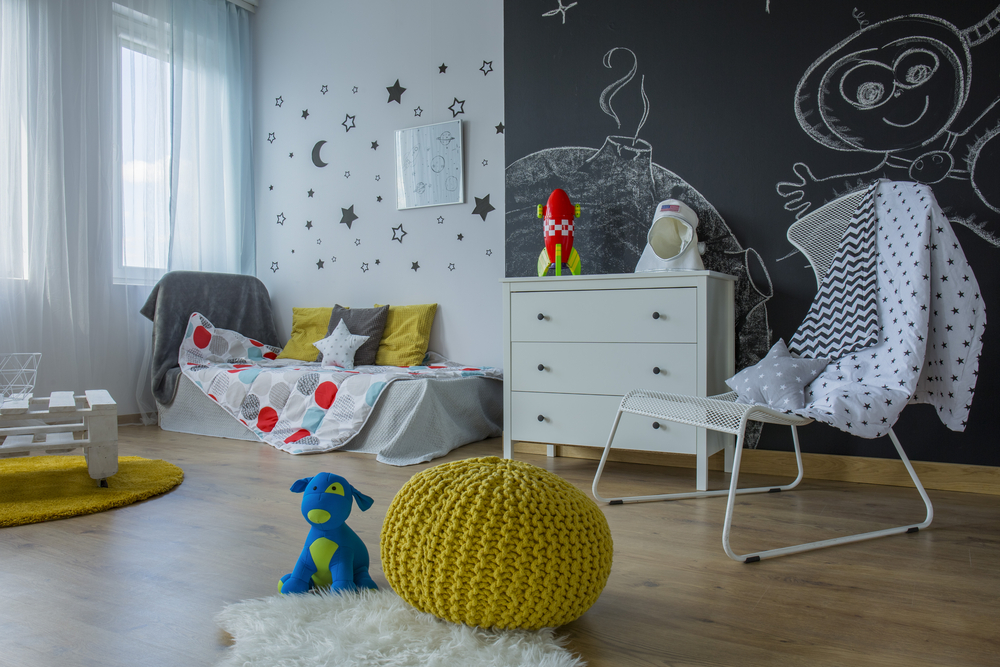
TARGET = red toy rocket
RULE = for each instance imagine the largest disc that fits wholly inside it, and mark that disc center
(557, 226)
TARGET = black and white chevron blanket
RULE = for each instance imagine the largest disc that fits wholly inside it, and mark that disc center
(917, 341)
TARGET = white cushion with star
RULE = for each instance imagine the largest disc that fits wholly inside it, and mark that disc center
(339, 347)
(777, 380)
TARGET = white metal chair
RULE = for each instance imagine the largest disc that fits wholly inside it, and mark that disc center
(813, 235)
(721, 413)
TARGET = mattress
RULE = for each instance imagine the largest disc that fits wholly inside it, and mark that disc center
(414, 421)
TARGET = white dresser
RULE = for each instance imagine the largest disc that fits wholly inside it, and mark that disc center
(574, 345)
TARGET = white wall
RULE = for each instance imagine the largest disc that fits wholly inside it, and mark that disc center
(357, 50)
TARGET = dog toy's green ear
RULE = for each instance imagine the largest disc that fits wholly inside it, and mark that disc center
(300, 485)
(364, 502)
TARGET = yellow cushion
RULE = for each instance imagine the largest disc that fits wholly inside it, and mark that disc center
(406, 336)
(308, 326)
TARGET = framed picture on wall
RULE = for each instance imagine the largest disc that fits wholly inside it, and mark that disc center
(429, 166)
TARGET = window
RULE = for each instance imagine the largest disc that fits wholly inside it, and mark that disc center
(13, 147)
(14, 193)
(142, 235)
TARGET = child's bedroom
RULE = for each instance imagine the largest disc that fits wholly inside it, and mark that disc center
(448, 333)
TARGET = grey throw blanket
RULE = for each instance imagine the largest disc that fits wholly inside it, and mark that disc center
(230, 301)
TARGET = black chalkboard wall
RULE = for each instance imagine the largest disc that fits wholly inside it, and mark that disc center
(711, 115)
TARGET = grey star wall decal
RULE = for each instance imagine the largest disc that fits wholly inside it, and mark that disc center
(357, 242)
(354, 90)
(349, 216)
(278, 101)
(291, 155)
(319, 264)
(460, 237)
(395, 93)
(364, 267)
(451, 266)
(443, 68)
(499, 127)
(348, 118)
(310, 192)
(377, 262)
(418, 111)
(483, 207)
(489, 252)
(378, 198)
(309, 224)
(487, 67)
(415, 266)
(305, 113)
(281, 219)
(333, 259)
(324, 89)
(274, 267)
(375, 145)
(457, 107)
(398, 233)
(270, 137)
(270, 187)
(440, 219)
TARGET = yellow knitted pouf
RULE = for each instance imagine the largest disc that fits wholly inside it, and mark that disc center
(496, 543)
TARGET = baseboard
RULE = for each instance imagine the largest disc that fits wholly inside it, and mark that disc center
(866, 470)
(129, 420)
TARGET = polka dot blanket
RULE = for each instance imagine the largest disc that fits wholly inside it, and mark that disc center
(295, 406)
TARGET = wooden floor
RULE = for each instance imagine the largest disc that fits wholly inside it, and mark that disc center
(140, 585)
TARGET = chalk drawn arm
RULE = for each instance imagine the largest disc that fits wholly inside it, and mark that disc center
(796, 192)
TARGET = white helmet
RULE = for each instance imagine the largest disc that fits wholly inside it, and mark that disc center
(672, 241)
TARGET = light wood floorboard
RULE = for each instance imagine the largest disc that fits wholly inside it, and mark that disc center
(140, 585)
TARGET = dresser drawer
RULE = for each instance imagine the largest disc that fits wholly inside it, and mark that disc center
(659, 315)
(586, 420)
(603, 368)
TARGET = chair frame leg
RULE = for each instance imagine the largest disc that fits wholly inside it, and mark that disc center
(694, 494)
(810, 546)
(734, 491)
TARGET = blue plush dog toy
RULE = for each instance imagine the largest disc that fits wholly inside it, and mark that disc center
(334, 557)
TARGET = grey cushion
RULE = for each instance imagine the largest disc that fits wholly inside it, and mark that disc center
(362, 322)
(777, 380)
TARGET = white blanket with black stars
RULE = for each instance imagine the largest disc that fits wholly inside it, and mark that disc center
(931, 322)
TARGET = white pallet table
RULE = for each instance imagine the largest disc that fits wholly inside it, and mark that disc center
(49, 425)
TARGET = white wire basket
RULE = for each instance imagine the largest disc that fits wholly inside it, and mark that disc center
(17, 375)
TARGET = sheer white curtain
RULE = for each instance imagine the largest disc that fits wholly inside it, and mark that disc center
(124, 152)
(213, 215)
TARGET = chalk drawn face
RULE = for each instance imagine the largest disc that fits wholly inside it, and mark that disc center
(882, 92)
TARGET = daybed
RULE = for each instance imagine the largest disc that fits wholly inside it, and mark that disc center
(404, 415)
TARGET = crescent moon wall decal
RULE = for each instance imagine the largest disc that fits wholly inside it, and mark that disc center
(317, 160)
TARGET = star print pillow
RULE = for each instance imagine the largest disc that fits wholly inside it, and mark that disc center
(777, 380)
(340, 347)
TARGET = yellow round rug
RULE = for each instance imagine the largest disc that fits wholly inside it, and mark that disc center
(43, 488)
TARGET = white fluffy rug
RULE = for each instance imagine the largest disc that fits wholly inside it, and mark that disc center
(373, 628)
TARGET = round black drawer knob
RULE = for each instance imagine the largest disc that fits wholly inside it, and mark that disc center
(656, 316)
(541, 367)
(541, 418)
(656, 370)
(656, 424)
(541, 316)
